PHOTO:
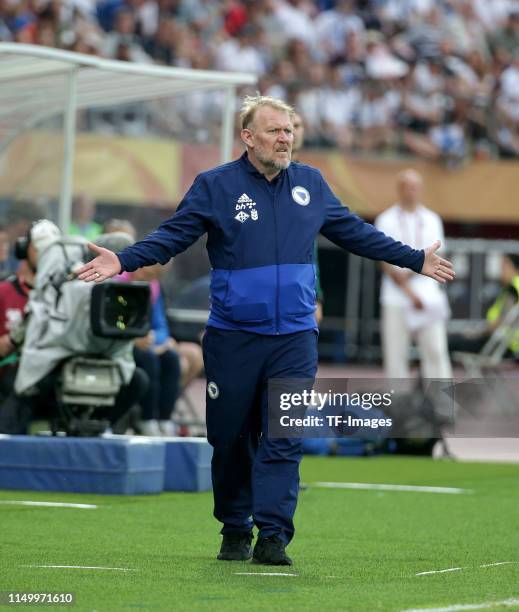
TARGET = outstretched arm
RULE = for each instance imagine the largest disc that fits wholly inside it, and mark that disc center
(190, 221)
(350, 232)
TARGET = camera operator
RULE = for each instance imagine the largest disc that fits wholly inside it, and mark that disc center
(37, 377)
(14, 295)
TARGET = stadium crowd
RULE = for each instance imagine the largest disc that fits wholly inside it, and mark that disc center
(435, 78)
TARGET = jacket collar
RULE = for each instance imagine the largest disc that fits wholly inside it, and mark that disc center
(249, 167)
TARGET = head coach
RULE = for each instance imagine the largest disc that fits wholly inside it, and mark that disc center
(261, 214)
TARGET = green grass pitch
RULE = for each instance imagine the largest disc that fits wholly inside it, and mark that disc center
(357, 550)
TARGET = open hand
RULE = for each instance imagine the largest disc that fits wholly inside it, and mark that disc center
(104, 266)
(435, 266)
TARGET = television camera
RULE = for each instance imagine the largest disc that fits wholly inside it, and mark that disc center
(80, 334)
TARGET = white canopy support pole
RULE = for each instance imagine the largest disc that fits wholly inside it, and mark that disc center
(227, 132)
(69, 143)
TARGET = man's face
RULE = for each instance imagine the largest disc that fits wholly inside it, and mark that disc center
(409, 188)
(269, 139)
(299, 133)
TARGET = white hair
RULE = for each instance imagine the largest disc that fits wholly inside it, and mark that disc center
(251, 104)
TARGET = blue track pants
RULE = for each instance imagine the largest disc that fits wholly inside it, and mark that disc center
(255, 479)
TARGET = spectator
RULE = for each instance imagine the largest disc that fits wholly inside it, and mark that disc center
(294, 18)
(427, 33)
(374, 117)
(402, 11)
(380, 62)
(157, 356)
(466, 32)
(281, 80)
(204, 16)
(334, 26)
(123, 38)
(161, 46)
(240, 54)
(493, 15)
(310, 102)
(507, 298)
(338, 108)
(507, 39)
(8, 264)
(283, 40)
(170, 366)
(83, 214)
(507, 106)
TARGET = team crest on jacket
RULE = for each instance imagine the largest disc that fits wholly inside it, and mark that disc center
(301, 196)
(246, 209)
(212, 390)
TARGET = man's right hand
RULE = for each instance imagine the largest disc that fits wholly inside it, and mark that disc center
(104, 266)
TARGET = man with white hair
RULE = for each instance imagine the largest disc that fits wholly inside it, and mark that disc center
(262, 215)
(413, 306)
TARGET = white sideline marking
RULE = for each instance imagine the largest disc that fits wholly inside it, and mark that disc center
(450, 569)
(89, 567)
(455, 569)
(262, 574)
(389, 487)
(47, 504)
(480, 606)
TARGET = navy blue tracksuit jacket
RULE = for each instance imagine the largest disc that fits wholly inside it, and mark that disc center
(260, 243)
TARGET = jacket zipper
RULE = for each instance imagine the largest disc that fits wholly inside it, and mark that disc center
(272, 197)
(277, 257)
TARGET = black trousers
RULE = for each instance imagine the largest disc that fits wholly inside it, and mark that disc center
(164, 374)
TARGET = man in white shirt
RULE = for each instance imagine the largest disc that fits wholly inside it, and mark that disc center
(413, 308)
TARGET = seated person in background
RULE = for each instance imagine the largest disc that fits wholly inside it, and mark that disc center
(158, 353)
(506, 299)
(157, 356)
(190, 353)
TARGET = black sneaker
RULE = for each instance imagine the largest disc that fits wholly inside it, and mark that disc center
(236, 546)
(270, 551)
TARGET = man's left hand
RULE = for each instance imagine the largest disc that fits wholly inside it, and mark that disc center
(435, 266)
